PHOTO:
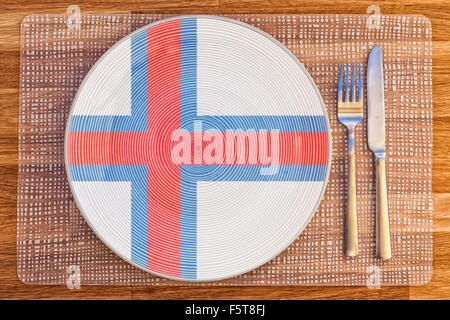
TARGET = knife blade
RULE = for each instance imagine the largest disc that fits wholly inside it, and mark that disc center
(375, 102)
(377, 143)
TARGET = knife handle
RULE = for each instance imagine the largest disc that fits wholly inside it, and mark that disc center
(382, 211)
(351, 224)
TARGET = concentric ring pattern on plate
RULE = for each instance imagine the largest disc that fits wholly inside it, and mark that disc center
(198, 148)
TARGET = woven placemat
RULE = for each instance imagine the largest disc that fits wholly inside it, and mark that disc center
(53, 239)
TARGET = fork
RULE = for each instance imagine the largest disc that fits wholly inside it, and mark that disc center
(350, 113)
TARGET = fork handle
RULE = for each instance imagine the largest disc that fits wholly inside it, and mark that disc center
(382, 212)
(351, 242)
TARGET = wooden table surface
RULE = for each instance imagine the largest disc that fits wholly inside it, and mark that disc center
(13, 11)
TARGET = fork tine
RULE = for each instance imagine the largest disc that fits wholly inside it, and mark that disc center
(346, 95)
(340, 86)
(353, 83)
(359, 83)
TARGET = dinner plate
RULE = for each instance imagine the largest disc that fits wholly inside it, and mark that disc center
(198, 148)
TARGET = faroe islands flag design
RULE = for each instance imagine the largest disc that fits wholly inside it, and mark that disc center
(191, 220)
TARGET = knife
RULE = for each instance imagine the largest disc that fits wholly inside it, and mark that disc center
(376, 141)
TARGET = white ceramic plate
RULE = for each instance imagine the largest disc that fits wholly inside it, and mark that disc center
(198, 148)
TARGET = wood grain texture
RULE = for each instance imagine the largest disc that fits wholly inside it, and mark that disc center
(11, 15)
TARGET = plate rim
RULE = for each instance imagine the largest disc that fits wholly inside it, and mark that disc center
(213, 17)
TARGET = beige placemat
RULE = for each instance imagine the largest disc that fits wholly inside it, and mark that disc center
(54, 242)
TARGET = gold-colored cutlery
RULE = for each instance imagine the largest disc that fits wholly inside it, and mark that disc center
(350, 113)
(350, 109)
(376, 139)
